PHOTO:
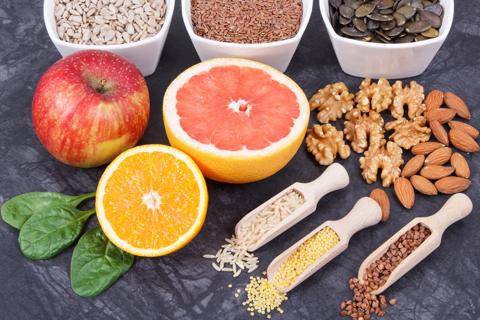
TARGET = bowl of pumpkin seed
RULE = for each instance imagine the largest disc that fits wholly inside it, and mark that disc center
(386, 38)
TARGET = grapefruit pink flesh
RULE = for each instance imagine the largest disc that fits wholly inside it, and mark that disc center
(236, 108)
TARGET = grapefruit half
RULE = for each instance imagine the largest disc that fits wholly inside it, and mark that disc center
(240, 120)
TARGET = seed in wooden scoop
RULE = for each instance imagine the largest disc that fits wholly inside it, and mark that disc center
(426, 147)
(381, 197)
(439, 156)
(460, 164)
(413, 166)
(434, 172)
(450, 185)
(423, 185)
(470, 130)
(456, 103)
(418, 27)
(404, 192)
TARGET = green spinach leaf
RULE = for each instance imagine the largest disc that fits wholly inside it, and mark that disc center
(18, 209)
(47, 233)
(97, 264)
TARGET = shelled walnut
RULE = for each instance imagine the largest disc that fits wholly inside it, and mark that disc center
(387, 157)
(363, 129)
(408, 133)
(324, 142)
(376, 96)
(412, 96)
(332, 102)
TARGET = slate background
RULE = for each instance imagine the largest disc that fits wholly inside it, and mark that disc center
(183, 285)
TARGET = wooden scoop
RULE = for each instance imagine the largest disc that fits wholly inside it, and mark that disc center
(335, 177)
(365, 213)
(457, 207)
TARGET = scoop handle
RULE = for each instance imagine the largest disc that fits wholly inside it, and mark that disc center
(365, 213)
(456, 208)
(335, 177)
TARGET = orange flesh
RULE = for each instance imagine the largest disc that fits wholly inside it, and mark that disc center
(234, 107)
(148, 173)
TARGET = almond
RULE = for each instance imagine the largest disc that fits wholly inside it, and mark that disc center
(413, 166)
(439, 132)
(426, 147)
(463, 141)
(435, 172)
(423, 185)
(434, 100)
(461, 165)
(404, 192)
(381, 197)
(439, 156)
(456, 103)
(451, 185)
(471, 130)
(442, 115)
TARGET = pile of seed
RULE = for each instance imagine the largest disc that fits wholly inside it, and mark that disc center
(387, 21)
(263, 297)
(106, 22)
(364, 303)
(234, 256)
(304, 256)
(252, 21)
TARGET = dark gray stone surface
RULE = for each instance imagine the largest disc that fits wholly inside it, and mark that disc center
(183, 285)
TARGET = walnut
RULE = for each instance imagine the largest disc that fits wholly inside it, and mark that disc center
(387, 158)
(362, 129)
(408, 133)
(332, 102)
(411, 96)
(324, 142)
(377, 96)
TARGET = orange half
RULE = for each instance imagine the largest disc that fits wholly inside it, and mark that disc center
(151, 200)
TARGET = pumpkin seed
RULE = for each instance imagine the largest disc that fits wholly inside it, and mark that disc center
(365, 9)
(344, 21)
(372, 25)
(432, 18)
(346, 12)
(418, 27)
(335, 3)
(395, 32)
(359, 24)
(380, 17)
(406, 39)
(384, 4)
(388, 25)
(407, 11)
(417, 4)
(386, 11)
(419, 38)
(434, 8)
(352, 32)
(354, 4)
(399, 19)
(430, 33)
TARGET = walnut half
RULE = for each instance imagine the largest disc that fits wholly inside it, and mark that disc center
(411, 96)
(332, 102)
(376, 96)
(409, 133)
(387, 158)
(363, 130)
(324, 142)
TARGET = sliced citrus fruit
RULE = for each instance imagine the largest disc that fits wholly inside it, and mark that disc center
(240, 120)
(151, 200)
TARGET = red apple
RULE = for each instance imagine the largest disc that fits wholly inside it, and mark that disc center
(89, 107)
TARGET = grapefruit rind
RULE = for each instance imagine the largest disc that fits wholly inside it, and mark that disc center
(235, 166)
(183, 239)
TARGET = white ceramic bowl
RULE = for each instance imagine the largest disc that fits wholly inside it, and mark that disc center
(277, 54)
(145, 54)
(392, 61)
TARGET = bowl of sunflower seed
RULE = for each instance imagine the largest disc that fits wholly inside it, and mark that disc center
(386, 38)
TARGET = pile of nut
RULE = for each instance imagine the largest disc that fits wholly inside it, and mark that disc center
(386, 21)
(106, 22)
(364, 303)
(416, 118)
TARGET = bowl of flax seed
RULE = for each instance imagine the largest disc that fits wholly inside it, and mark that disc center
(267, 31)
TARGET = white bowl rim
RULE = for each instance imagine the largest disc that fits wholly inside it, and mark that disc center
(447, 18)
(54, 36)
(296, 38)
